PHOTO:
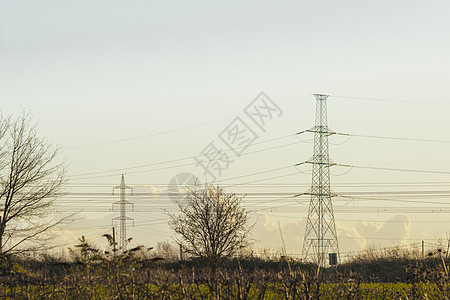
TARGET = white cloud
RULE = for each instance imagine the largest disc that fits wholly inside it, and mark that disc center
(394, 230)
(351, 238)
(145, 192)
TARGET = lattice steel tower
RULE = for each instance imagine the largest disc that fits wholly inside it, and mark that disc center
(320, 242)
(122, 218)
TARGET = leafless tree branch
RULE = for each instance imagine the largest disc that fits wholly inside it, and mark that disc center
(30, 181)
(212, 224)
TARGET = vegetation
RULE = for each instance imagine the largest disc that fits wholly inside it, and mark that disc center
(30, 181)
(211, 224)
(139, 274)
(211, 227)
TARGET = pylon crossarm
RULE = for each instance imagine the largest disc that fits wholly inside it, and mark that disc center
(320, 233)
(325, 131)
(123, 217)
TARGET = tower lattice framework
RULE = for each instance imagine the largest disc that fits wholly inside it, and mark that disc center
(320, 235)
(122, 218)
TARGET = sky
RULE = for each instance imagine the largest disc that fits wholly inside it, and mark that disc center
(140, 88)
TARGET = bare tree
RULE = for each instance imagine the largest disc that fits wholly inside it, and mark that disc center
(211, 223)
(167, 251)
(30, 181)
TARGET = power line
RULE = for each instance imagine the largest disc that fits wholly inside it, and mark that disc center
(393, 138)
(397, 200)
(180, 159)
(148, 135)
(393, 101)
(269, 195)
(393, 169)
(279, 193)
(178, 129)
(381, 137)
(374, 221)
(73, 177)
(281, 184)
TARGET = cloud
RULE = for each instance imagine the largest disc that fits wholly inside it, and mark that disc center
(267, 234)
(394, 230)
(145, 193)
(351, 238)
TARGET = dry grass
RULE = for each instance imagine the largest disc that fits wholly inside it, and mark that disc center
(91, 273)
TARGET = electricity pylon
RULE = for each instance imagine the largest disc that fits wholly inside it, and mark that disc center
(122, 218)
(320, 234)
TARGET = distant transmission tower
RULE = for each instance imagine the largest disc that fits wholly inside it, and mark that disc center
(321, 240)
(123, 214)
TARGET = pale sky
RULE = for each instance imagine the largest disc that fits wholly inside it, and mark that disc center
(120, 84)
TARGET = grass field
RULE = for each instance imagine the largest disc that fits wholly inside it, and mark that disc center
(138, 278)
(92, 274)
(127, 290)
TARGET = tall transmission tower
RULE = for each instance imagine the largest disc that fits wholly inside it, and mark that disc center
(320, 234)
(122, 218)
